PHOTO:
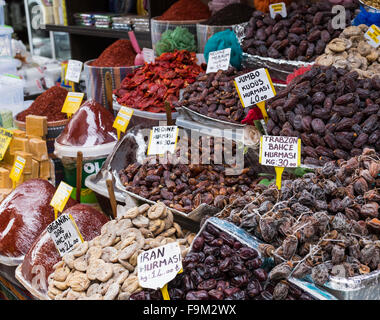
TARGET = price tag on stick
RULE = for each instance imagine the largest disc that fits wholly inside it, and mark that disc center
(373, 36)
(60, 198)
(65, 233)
(17, 170)
(158, 266)
(255, 88)
(74, 69)
(218, 60)
(72, 103)
(162, 139)
(280, 152)
(122, 120)
(278, 8)
(5, 139)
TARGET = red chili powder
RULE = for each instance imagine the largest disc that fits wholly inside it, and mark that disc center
(48, 104)
(186, 10)
(118, 54)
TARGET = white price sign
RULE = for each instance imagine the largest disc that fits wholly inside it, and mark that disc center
(162, 139)
(373, 36)
(278, 8)
(158, 266)
(74, 69)
(64, 233)
(218, 60)
(254, 87)
(148, 55)
(279, 151)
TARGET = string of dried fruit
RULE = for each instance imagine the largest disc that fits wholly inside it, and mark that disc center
(214, 95)
(352, 52)
(185, 186)
(335, 113)
(150, 86)
(105, 267)
(320, 224)
(301, 36)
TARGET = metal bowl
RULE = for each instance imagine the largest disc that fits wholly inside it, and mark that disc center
(369, 8)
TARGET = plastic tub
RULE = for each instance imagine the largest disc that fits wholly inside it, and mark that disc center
(11, 93)
(158, 27)
(93, 159)
(95, 80)
(2, 5)
(6, 41)
(8, 65)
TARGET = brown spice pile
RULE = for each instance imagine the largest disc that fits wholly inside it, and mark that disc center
(186, 10)
(118, 54)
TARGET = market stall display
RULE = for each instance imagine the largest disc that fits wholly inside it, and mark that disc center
(177, 39)
(333, 111)
(105, 267)
(186, 10)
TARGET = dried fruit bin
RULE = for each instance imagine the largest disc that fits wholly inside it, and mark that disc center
(144, 118)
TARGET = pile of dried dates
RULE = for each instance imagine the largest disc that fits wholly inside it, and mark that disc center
(325, 223)
(214, 95)
(105, 267)
(301, 36)
(335, 114)
(185, 186)
(352, 52)
(220, 267)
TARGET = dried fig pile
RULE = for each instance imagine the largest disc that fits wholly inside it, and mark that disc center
(352, 52)
(105, 267)
(214, 95)
(185, 186)
(335, 114)
(220, 267)
(326, 223)
(301, 36)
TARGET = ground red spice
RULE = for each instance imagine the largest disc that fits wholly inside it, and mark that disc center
(118, 54)
(48, 104)
(186, 10)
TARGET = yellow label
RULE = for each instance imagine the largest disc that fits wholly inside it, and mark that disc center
(76, 227)
(17, 169)
(279, 171)
(122, 119)
(261, 106)
(5, 139)
(299, 153)
(373, 35)
(277, 7)
(61, 196)
(72, 102)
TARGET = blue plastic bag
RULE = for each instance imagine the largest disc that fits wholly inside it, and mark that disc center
(367, 18)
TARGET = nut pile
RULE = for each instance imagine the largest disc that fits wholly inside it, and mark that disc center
(185, 186)
(352, 52)
(220, 267)
(214, 95)
(325, 223)
(301, 36)
(105, 267)
(335, 114)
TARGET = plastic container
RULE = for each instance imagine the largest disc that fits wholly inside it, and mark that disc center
(11, 93)
(95, 80)
(2, 5)
(158, 27)
(8, 65)
(6, 41)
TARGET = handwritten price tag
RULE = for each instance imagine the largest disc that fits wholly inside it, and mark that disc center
(278, 8)
(218, 60)
(5, 139)
(373, 36)
(17, 169)
(74, 69)
(158, 266)
(72, 103)
(61, 196)
(65, 233)
(162, 139)
(122, 120)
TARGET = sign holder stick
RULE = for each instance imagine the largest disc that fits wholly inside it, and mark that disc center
(108, 81)
(111, 193)
(279, 171)
(79, 174)
(169, 117)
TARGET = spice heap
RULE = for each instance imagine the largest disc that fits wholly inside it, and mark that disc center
(118, 54)
(351, 51)
(105, 267)
(214, 95)
(150, 86)
(48, 104)
(301, 36)
(184, 187)
(232, 14)
(183, 10)
(323, 220)
(333, 112)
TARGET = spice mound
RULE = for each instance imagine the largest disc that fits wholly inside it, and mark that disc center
(24, 214)
(91, 125)
(48, 104)
(105, 267)
(324, 223)
(150, 86)
(214, 95)
(232, 14)
(118, 54)
(44, 253)
(335, 114)
(183, 10)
